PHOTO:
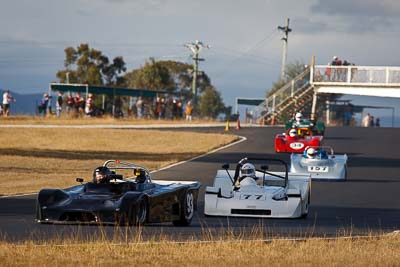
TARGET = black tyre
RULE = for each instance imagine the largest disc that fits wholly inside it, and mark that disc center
(187, 209)
(305, 214)
(139, 212)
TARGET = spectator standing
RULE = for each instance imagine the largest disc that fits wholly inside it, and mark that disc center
(44, 104)
(77, 103)
(378, 122)
(188, 111)
(179, 114)
(59, 104)
(327, 75)
(174, 109)
(70, 103)
(372, 121)
(139, 107)
(7, 99)
(89, 106)
(366, 120)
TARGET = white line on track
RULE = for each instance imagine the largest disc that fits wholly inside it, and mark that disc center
(241, 139)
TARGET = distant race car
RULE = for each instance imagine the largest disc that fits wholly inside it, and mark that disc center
(279, 194)
(296, 140)
(128, 198)
(316, 127)
(320, 163)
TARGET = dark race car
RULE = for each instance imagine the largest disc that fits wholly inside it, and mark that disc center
(129, 197)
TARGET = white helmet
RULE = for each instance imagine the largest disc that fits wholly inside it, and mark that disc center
(311, 153)
(293, 133)
(298, 116)
(248, 170)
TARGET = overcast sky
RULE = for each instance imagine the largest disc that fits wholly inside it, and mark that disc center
(246, 50)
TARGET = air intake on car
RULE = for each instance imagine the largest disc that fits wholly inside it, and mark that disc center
(250, 212)
(78, 217)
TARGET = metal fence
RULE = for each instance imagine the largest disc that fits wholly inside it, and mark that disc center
(356, 75)
(284, 93)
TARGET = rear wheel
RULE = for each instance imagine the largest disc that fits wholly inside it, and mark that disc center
(186, 209)
(139, 212)
(306, 207)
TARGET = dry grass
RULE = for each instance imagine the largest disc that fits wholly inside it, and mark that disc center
(31, 159)
(37, 120)
(382, 251)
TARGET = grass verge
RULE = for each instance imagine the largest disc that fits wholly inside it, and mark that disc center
(64, 120)
(369, 251)
(31, 159)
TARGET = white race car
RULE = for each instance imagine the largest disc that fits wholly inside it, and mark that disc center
(321, 164)
(279, 194)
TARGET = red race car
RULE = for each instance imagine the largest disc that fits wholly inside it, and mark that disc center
(296, 140)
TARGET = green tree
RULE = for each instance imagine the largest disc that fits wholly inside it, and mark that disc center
(211, 104)
(88, 65)
(152, 76)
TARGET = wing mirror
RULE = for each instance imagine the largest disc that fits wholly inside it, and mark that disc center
(264, 167)
(79, 180)
(225, 166)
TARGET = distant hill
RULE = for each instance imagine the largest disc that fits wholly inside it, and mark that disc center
(25, 104)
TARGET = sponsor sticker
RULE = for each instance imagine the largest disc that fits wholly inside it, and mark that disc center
(318, 168)
(252, 196)
(296, 145)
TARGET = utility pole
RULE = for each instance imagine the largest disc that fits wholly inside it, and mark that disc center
(196, 47)
(286, 30)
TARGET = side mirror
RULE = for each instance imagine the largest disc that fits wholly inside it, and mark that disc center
(79, 180)
(264, 167)
(225, 166)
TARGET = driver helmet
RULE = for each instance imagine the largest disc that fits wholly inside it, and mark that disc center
(293, 133)
(311, 153)
(299, 116)
(248, 170)
(100, 174)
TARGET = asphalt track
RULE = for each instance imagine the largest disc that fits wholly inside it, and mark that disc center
(367, 203)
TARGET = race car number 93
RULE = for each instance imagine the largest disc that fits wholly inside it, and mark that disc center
(318, 169)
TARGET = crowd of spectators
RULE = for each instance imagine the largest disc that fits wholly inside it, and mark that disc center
(336, 71)
(370, 121)
(138, 107)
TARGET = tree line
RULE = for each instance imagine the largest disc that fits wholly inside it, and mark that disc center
(86, 65)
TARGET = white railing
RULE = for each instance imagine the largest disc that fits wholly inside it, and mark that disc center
(284, 93)
(356, 75)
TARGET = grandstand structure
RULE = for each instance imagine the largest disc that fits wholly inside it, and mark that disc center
(302, 93)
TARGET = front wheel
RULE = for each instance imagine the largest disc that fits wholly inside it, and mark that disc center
(186, 209)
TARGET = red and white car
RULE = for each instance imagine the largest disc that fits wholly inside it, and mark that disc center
(295, 140)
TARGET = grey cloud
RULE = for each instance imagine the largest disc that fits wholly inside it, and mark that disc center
(358, 8)
(357, 16)
(307, 25)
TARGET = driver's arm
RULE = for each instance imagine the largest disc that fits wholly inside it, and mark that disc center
(237, 170)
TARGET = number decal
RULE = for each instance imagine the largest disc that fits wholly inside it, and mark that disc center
(296, 145)
(318, 168)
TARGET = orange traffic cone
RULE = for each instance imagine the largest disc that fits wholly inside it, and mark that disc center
(227, 127)
(238, 124)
